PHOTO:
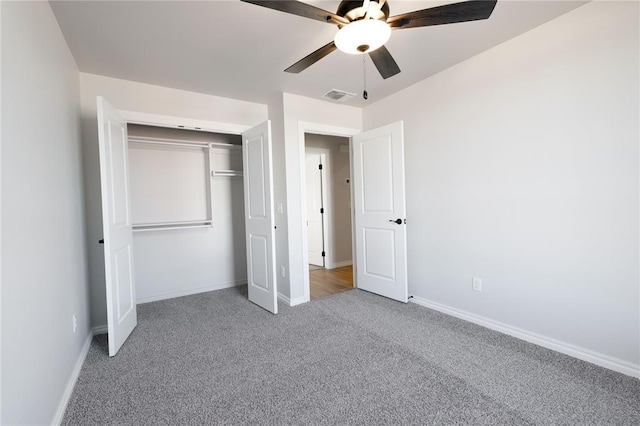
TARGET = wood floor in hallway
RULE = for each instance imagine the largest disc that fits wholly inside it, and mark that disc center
(324, 282)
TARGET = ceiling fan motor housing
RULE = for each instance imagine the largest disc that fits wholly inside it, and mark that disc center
(353, 10)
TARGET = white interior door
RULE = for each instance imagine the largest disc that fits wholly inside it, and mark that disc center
(379, 211)
(315, 208)
(116, 223)
(259, 220)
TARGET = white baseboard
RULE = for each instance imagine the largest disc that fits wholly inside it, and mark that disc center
(101, 329)
(172, 294)
(71, 383)
(291, 302)
(340, 264)
(596, 358)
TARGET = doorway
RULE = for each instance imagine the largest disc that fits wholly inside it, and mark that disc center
(328, 214)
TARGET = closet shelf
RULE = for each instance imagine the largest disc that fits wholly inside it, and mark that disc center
(165, 226)
(182, 143)
(226, 173)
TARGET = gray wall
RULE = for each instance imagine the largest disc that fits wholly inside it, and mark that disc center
(44, 278)
(340, 192)
(522, 169)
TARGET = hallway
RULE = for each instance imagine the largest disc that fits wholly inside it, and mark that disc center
(324, 282)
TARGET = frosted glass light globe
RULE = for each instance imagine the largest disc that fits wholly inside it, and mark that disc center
(362, 36)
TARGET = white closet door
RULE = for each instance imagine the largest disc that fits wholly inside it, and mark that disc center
(379, 202)
(116, 223)
(259, 219)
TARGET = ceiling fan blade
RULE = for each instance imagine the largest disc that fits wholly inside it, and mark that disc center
(385, 63)
(473, 10)
(312, 58)
(301, 9)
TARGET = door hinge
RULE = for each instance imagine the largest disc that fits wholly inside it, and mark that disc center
(323, 254)
(319, 166)
(321, 210)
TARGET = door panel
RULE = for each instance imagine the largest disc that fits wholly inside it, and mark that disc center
(379, 263)
(116, 220)
(259, 262)
(379, 200)
(259, 219)
(256, 178)
(377, 174)
(118, 173)
(123, 262)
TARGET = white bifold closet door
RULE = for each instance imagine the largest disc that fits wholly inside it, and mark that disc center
(117, 226)
(380, 211)
(259, 218)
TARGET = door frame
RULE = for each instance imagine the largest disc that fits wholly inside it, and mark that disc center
(136, 117)
(173, 122)
(327, 217)
(327, 130)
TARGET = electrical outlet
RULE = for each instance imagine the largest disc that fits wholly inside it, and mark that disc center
(283, 272)
(75, 323)
(476, 284)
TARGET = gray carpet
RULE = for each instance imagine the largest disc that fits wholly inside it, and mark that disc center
(351, 358)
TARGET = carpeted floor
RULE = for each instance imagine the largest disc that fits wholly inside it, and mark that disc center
(351, 358)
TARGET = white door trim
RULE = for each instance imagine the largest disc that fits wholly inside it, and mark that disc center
(136, 117)
(318, 129)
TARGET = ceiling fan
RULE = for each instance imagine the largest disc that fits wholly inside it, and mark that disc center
(365, 26)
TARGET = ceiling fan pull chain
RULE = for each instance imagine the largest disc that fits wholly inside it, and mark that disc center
(365, 95)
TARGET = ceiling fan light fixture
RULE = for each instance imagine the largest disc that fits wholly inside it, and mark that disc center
(362, 36)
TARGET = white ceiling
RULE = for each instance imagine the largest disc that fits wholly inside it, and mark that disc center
(239, 50)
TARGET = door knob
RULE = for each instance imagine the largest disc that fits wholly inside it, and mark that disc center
(398, 221)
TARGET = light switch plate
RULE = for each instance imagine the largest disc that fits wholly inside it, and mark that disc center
(476, 284)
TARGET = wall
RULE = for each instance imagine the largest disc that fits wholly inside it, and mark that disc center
(44, 275)
(340, 191)
(522, 169)
(305, 114)
(144, 98)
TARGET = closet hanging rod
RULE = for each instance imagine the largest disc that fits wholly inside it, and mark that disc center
(178, 142)
(226, 173)
(168, 228)
(180, 222)
(206, 223)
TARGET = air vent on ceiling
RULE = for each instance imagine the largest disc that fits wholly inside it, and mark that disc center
(338, 95)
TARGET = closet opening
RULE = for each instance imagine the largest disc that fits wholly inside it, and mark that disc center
(329, 214)
(187, 207)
